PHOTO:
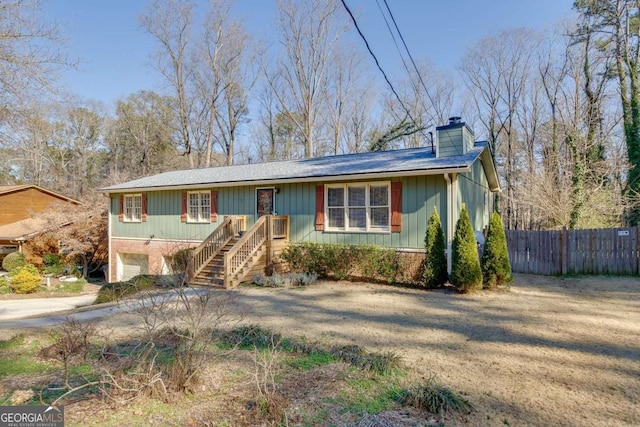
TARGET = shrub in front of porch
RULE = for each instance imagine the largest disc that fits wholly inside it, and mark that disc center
(286, 280)
(340, 262)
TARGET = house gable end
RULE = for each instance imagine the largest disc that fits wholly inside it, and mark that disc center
(21, 202)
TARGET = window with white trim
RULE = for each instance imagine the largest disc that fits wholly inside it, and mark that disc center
(358, 207)
(199, 206)
(132, 210)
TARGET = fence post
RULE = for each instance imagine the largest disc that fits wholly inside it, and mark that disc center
(563, 250)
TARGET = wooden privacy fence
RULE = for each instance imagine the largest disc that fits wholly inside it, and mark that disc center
(597, 251)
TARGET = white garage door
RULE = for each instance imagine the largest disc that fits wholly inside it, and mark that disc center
(133, 265)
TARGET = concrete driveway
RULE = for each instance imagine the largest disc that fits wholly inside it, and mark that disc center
(35, 313)
(18, 309)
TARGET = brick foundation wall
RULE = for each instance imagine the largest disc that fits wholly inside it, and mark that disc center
(155, 250)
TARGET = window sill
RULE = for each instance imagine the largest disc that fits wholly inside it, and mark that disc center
(338, 231)
(198, 222)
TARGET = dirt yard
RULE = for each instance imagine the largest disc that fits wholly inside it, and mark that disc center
(552, 352)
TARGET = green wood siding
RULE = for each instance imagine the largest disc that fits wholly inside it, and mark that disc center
(419, 197)
(449, 142)
(455, 141)
(164, 209)
(474, 191)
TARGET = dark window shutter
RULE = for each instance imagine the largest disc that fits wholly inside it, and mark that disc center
(396, 207)
(214, 206)
(183, 216)
(144, 207)
(320, 208)
(121, 213)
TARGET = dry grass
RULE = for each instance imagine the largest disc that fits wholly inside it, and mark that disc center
(553, 351)
(562, 352)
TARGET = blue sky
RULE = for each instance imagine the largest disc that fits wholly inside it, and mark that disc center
(113, 51)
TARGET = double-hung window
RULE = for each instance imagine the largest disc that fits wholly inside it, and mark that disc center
(360, 207)
(199, 206)
(132, 209)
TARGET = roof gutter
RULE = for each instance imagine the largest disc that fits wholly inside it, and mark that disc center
(490, 170)
(363, 176)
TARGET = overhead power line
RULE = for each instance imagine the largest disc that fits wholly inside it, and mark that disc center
(408, 53)
(355, 23)
(395, 42)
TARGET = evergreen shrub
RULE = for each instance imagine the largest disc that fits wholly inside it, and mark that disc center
(435, 262)
(52, 264)
(466, 274)
(496, 268)
(25, 279)
(4, 286)
(13, 261)
(343, 261)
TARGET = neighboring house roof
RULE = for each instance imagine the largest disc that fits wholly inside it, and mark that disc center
(10, 188)
(6, 189)
(23, 229)
(392, 163)
(23, 224)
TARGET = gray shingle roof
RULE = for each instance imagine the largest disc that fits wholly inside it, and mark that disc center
(418, 160)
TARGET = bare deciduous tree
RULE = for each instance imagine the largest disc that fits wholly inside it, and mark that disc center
(496, 70)
(225, 69)
(309, 32)
(613, 25)
(206, 69)
(429, 107)
(349, 103)
(30, 53)
(170, 23)
(141, 140)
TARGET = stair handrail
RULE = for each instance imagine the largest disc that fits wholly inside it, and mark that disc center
(245, 248)
(211, 246)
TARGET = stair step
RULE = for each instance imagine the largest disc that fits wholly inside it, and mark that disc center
(211, 283)
(211, 273)
(215, 273)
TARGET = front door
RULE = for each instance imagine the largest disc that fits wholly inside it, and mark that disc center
(265, 201)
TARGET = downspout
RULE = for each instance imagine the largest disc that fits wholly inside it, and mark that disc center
(452, 213)
(447, 178)
(109, 266)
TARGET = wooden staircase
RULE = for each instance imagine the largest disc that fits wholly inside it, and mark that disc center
(229, 254)
(212, 274)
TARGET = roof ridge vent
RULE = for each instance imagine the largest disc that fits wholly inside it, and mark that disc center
(454, 120)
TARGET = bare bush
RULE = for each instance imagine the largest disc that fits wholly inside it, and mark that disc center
(71, 343)
(266, 361)
(177, 332)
